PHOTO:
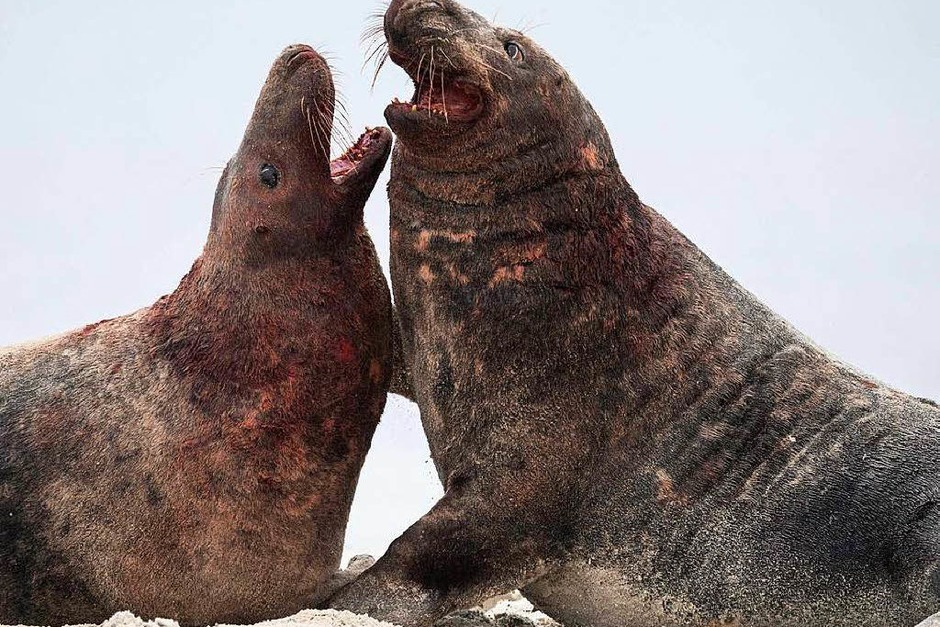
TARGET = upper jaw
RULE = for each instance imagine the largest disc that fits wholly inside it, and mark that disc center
(443, 93)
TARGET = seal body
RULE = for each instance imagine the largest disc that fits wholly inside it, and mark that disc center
(622, 430)
(196, 460)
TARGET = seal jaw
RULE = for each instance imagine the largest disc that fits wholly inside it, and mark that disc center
(439, 93)
(366, 157)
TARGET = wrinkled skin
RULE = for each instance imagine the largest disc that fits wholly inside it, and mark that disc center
(196, 460)
(621, 429)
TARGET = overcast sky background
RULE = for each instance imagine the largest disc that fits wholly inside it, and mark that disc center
(796, 142)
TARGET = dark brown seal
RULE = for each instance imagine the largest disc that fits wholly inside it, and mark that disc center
(621, 429)
(197, 459)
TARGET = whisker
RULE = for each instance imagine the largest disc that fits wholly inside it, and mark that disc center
(431, 78)
(324, 122)
(489, 48)
(444, 99)
(526, 29)
(371, 32)
(341, 118)
(446, 56)
(314, 137)
(374, 49)
(373, 38)
(488, 66)
(378, 69)
(420, 75)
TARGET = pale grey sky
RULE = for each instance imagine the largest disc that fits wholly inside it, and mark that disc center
(796, 142)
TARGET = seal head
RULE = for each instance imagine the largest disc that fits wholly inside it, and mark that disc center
(282, 183)
(483, 93)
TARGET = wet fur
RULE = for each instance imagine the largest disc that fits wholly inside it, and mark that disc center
(620, 427)
(197, 460)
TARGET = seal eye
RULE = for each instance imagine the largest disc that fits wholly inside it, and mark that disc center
(270, 176)
(514, 51)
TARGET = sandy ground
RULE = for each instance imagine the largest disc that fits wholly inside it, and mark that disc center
(933, 621)
(511, 611)
(309, 618)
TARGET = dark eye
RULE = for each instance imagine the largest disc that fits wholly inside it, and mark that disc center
(270, 176)
(514, 51)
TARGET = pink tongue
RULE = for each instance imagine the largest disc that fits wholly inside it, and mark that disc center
(456, 98)
(341, 167)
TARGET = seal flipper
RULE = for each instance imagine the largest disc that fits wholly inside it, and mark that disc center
(452, 557)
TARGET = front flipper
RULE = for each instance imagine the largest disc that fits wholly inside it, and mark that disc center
(495, 530)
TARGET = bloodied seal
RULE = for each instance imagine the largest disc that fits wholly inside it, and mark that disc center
(197, 459)
(621, 429)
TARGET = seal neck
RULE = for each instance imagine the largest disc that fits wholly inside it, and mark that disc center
(232, 325)
(527, 168)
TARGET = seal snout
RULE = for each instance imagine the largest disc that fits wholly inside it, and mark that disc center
(403, 7)
(446, 92)
(293, 57)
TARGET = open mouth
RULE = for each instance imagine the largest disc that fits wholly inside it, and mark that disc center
(438, 93)
(366, 150)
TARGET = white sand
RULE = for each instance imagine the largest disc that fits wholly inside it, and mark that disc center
(933, 621)
(307, 618)
(511, 605)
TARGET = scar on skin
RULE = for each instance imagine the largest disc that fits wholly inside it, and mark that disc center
(458, 237)
(591, 158)
(425, 273)
(507, 273)
(346, 351)
(516, 255)
(666, 489)
(457, 276)
(375, 371)
(461, 237)
(424, 238)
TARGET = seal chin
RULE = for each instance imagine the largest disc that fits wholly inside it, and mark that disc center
(365, 159)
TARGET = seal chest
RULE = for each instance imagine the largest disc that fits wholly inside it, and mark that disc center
(197, 459)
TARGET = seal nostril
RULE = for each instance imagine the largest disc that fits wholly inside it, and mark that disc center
(411, 6)
(426, 5)
(392, 12)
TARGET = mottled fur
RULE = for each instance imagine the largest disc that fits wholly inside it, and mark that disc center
(197, 460)
(621, 429)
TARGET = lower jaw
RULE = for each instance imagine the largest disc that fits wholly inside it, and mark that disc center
(417, 113)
